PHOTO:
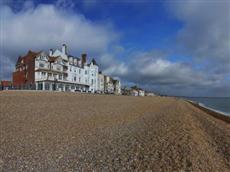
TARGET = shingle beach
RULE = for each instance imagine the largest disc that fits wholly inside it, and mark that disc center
(47, 131)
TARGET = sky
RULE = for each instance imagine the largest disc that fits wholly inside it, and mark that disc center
(173, 47)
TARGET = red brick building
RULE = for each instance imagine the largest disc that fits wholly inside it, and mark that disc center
(5, 85)
(23, 77)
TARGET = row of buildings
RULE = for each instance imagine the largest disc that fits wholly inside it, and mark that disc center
(60, 71)
(136, 91)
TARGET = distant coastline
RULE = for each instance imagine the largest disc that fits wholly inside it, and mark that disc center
(215, 113)
(217, 104)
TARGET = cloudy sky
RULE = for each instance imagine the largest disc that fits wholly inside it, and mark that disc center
(170, 47)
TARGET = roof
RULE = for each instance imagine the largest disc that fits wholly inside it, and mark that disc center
(115, 81)
(136, 88)
(30, 54)
(19, 60)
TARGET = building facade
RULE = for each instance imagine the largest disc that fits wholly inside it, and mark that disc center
(24, 74)
(5, 85)
(135, 91)
(108, 85)
(101, 82)
(57, 71)
(117, 86)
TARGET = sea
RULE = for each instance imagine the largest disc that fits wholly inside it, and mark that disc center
(218, 104)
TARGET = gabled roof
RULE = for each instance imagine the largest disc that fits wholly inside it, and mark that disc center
(30, 54)
(19, 60)
(57, 52)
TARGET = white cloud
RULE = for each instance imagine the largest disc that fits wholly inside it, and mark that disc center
(45, 26)
(205, 35)
(206, 31)
(112, 66)
(152, 70)
(162, 71)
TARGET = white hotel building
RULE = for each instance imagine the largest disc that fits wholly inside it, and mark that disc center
(58, 71)
(62, 72)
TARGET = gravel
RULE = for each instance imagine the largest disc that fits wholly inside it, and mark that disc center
(45, 131)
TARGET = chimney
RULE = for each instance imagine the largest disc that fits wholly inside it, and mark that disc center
(83, 59)
(64, 49)
(51, 52)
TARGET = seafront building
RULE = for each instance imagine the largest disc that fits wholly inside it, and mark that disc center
(101, 83)
(60, 71)
(5, 85)
(135, 91)
(112, 85)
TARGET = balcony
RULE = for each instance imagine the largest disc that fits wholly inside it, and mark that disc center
(51, 78)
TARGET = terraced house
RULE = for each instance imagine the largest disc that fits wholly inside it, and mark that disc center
(58, 71)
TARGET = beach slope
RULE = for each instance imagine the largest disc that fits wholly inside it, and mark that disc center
(44, 131)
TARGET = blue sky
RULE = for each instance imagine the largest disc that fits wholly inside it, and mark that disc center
(170, 47)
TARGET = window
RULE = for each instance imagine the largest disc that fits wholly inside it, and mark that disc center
(43, 73)
(40, 86)
(86, 72)
(41, 65)
(61, 86)
(85, 80)
(80, 79)
(92, 81)
(60, 77)
(79, 71)
(47, 86)
(75, 78)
